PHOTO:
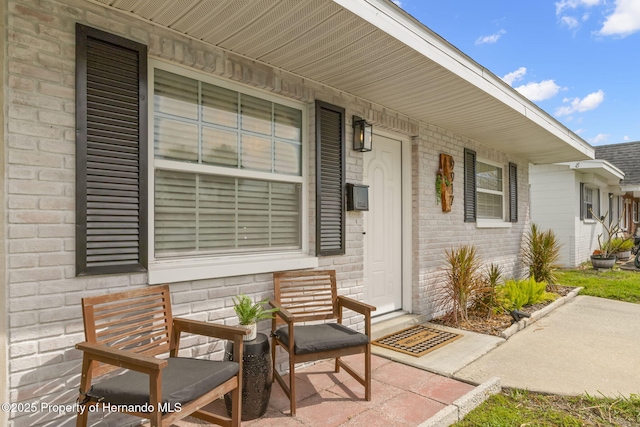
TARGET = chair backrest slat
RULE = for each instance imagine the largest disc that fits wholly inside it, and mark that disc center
(140, 306)
(116, 326)
(311, 294)
(138, 321)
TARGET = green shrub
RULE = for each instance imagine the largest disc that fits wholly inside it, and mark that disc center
(541, 254)
(463, 283)
(515, 294)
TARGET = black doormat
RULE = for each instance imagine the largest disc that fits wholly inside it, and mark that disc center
(416, 340)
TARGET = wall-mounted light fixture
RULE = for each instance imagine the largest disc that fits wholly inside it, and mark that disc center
(362, 134)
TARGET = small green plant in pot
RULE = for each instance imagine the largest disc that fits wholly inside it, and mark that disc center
(250, 313)
(624, 245)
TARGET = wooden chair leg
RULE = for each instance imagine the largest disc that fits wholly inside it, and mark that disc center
(292, 385)
(155, 395)
(236, 410)
(274, 344)
(367, 373)
(85, 384)
(337, 363)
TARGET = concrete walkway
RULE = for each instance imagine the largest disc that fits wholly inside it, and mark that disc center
(587, 345)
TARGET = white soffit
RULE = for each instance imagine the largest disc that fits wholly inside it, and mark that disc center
(599, 167)
(375, 51)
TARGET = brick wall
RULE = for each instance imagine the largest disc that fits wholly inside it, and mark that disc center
(44, 318)
(435, 231)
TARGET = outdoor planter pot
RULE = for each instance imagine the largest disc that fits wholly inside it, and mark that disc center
(624, 255)
(599, 262)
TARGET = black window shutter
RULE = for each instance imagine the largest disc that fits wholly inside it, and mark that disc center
(111, 153)
(330, 173)
(469, 185)
(513, 192)
(582, 212)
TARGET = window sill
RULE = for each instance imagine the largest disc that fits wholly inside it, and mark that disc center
(492, 223)
(181, 270)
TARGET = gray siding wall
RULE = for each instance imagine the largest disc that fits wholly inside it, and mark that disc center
(43, 294)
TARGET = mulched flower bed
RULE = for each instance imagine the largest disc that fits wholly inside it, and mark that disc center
(498, 322)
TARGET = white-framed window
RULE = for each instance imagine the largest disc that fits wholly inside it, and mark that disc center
(490, 191)
(227, 174)
(590, 202)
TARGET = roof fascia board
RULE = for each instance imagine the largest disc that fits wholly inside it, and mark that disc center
(597, 166)
(402, 26)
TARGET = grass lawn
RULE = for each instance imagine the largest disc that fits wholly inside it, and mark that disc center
(515, 408)
(620, 285)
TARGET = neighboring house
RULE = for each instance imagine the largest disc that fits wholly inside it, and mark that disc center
(565, 197)
(626, 156)
(207, 144)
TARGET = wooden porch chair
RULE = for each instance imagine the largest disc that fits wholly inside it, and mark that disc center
(128, 330)
(308, 296)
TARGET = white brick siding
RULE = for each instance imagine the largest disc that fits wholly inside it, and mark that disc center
(43, 307)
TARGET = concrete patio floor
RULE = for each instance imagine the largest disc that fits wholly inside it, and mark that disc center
(402, 396)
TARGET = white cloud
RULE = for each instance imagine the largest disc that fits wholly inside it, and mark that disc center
(490, 39)
(589, 102)
(563, 5)
(599, 139)
(626, 138)
(624, 20)
(570, 21)
(566, 8)
(397, 2)
(513, 76)
(539, 91)
(578, 131)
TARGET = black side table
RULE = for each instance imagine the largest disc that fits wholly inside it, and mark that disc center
(257, 376)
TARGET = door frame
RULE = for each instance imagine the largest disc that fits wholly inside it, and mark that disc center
(406, 216)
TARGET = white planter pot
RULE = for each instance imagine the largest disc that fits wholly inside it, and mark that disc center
(254, 332)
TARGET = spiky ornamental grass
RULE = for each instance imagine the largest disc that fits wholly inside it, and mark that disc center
(486, 303)
(463, 285)
(541, 255)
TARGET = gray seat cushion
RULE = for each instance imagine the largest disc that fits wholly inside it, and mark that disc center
(315, 338)
(183, 380)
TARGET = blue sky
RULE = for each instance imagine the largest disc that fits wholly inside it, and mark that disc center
(579, 60)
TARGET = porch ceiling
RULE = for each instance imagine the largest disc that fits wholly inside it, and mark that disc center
(375, 51)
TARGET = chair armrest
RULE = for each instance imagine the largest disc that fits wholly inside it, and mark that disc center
(282, 312)
(356, 306)
(207, 329)
(121, 358)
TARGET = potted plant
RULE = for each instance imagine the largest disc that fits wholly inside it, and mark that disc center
(624, 247)
(249, 313)
(605, 257)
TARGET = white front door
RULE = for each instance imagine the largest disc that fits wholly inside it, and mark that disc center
(383, 225)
